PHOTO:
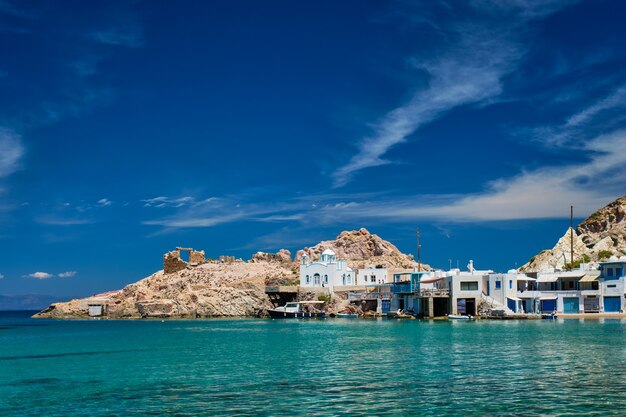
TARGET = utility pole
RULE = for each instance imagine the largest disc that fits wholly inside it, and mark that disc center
(571, 236)
(419, 248)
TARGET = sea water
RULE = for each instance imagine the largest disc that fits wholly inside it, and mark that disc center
(310, 367)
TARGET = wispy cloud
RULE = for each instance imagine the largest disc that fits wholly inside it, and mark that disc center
(11, 151)
(162, 201)
(604, 115)
(130, 37)
(62, 221)
(1, 276)
(67, 274)
(468, 71)
(104, 202)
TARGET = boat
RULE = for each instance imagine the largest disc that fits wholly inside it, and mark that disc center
(347, 316)
(459, 317)
(400, 315)
(550, 316)
(294, 310)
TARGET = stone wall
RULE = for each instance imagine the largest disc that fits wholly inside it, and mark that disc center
(172, 262)
(196, 257)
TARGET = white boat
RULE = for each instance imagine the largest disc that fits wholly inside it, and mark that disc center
(459, 317)
(294, 310)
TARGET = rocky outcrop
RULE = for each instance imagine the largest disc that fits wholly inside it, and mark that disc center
(606, 228)
(360, 247)
(212, 289)
(599, 236)
(283, 256)
(557, 257)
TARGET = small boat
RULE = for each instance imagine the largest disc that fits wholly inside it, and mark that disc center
(294, 310)
(347, 316)
(459, 317)
(550, 316)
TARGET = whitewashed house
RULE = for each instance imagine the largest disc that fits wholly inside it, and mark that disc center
(467, 289)
(328, 272)
(371, 275)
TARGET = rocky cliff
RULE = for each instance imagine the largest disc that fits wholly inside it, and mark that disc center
(361, 248)
(212, 289)
(598, 237)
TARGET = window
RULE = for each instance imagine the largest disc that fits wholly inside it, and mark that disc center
(373, 278)
(609, 272)
(498, 285)
(619, 272)
(316, 278)
(510, 284)
(612, 286)
(325, 279)
(308, 279)
(469, 286)
(349, 279)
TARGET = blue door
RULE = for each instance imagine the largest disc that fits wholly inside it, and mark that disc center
(511, 305)
(386, 306)
(570, 305)
(548, 306)
(612, 304)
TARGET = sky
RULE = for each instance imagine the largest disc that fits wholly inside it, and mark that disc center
(128, 128)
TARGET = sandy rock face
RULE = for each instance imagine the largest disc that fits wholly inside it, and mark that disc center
(360, 246)
(282, 255)
(607, 225)
(212, 289)
(599, 236)
(557, 257)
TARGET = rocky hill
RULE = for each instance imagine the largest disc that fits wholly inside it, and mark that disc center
(598, 237)
(211, 289)
(359, 248)
(228, 286)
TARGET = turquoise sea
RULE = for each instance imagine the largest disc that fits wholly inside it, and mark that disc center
(310, 367)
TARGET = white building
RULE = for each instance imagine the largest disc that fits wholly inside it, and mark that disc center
(371, 275)
(467, 289)
(328, 272)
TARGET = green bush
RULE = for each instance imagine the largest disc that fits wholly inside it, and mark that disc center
(605, 254)
(324, 298)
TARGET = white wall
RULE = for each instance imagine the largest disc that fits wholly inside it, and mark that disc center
(364, 276)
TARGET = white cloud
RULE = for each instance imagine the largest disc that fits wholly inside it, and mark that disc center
(11, 151)
(40, 275)
(103, 202)
(1, 276)
(468, 72)
(163, 201)
(67, 274)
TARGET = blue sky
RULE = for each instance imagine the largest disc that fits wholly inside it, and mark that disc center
(129, 128)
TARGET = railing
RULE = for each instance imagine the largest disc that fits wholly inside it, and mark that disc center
(434, 292)
(368, 296)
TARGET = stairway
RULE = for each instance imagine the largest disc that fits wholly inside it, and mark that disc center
(488, 304)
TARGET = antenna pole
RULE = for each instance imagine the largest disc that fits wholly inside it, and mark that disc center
(419, 247)
(571, 236)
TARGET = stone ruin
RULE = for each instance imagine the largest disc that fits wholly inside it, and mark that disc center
(172, 262)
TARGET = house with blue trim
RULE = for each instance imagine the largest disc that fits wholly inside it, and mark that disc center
(612, 287)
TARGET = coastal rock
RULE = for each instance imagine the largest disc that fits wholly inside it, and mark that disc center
(283, 256)
(361, 248)
(598, 237)
(212, 289)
